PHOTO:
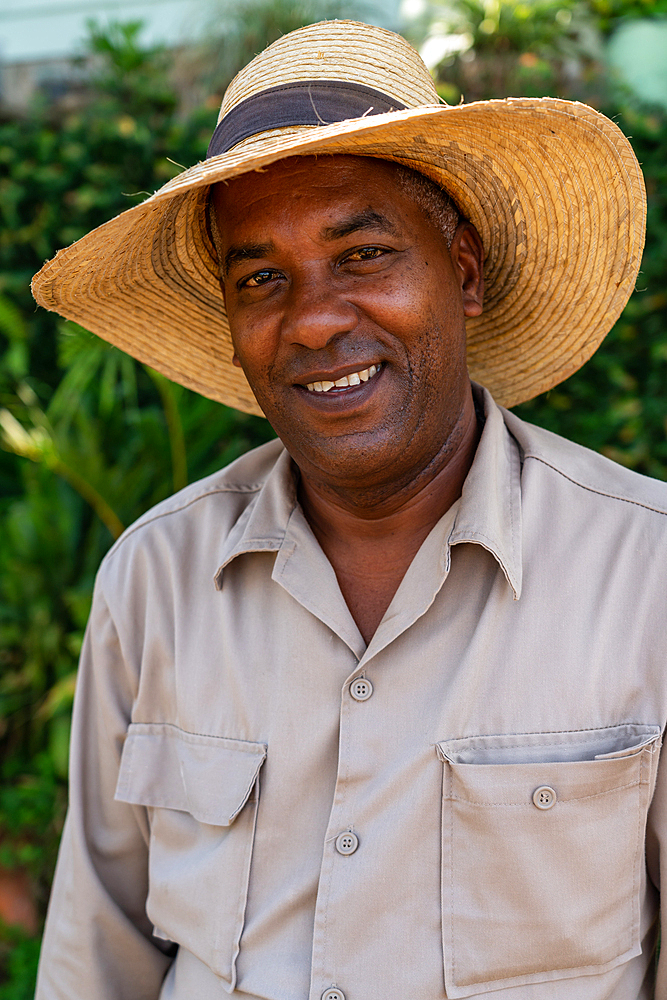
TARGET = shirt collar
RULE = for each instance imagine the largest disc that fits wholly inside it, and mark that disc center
(273, 521)
(263, 524)
(488, 514)
(490, 510)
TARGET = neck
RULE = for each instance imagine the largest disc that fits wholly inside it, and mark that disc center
(371, 534)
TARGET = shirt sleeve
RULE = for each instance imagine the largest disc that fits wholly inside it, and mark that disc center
(98, 940)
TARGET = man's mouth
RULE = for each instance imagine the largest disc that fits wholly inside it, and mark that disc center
(354, 378)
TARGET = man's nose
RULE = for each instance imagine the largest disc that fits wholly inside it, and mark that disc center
(316, 311)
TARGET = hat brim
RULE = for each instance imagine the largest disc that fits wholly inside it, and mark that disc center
(553, 188)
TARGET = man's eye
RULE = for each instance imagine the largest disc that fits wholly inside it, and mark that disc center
(366, 253)
(257, 279)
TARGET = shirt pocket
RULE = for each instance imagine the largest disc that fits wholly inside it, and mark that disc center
(201, 793)
(543, 846)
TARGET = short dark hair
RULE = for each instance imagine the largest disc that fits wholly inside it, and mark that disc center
(433, 200)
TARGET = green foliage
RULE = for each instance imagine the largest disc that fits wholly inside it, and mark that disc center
(525, 48)
(609, 13)
(131, 76)
(19, 953)
(517, 25)
(90, 437)
(240, 29)
(616, 403)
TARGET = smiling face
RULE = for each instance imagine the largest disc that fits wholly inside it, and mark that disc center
(347, 313)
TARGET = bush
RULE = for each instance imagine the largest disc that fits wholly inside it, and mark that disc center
(92, 438)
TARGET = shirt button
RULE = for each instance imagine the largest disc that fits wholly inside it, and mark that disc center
(347, 843)
(544, 797)
(333, 994)
(361, 689)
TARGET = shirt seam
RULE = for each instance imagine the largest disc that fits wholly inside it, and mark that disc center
(252, 488)
(515, 492)
(597, 490)
(550, 732)
(189, 732)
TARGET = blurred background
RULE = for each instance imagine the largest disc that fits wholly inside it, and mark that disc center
(101, 101)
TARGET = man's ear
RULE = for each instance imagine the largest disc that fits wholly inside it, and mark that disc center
(235, 360)
(468, 259)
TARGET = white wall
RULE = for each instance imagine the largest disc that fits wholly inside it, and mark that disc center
(32, 30)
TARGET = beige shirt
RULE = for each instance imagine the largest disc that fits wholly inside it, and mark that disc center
(463, 808)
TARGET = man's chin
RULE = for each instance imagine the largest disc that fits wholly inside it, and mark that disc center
(353, 462)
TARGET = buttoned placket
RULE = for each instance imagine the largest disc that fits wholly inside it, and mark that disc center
(362, 723)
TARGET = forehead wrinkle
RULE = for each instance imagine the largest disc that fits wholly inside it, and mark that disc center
(366, 219)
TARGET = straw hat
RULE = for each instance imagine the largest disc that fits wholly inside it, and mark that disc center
(552, 187)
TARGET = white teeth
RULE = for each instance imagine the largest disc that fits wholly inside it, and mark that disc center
(354, 378)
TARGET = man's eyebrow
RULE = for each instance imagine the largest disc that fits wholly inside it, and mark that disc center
(368, 218)
(240, 252)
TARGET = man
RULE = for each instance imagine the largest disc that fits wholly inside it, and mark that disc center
(376, 714)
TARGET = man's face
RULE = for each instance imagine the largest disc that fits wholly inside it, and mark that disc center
(331, 272)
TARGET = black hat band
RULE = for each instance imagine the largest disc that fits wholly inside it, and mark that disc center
(307, 102)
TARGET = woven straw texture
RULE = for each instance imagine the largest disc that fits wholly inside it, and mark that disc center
(552, 186)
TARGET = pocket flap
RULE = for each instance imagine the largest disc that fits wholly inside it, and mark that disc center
(210, 777)
(542, 748)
